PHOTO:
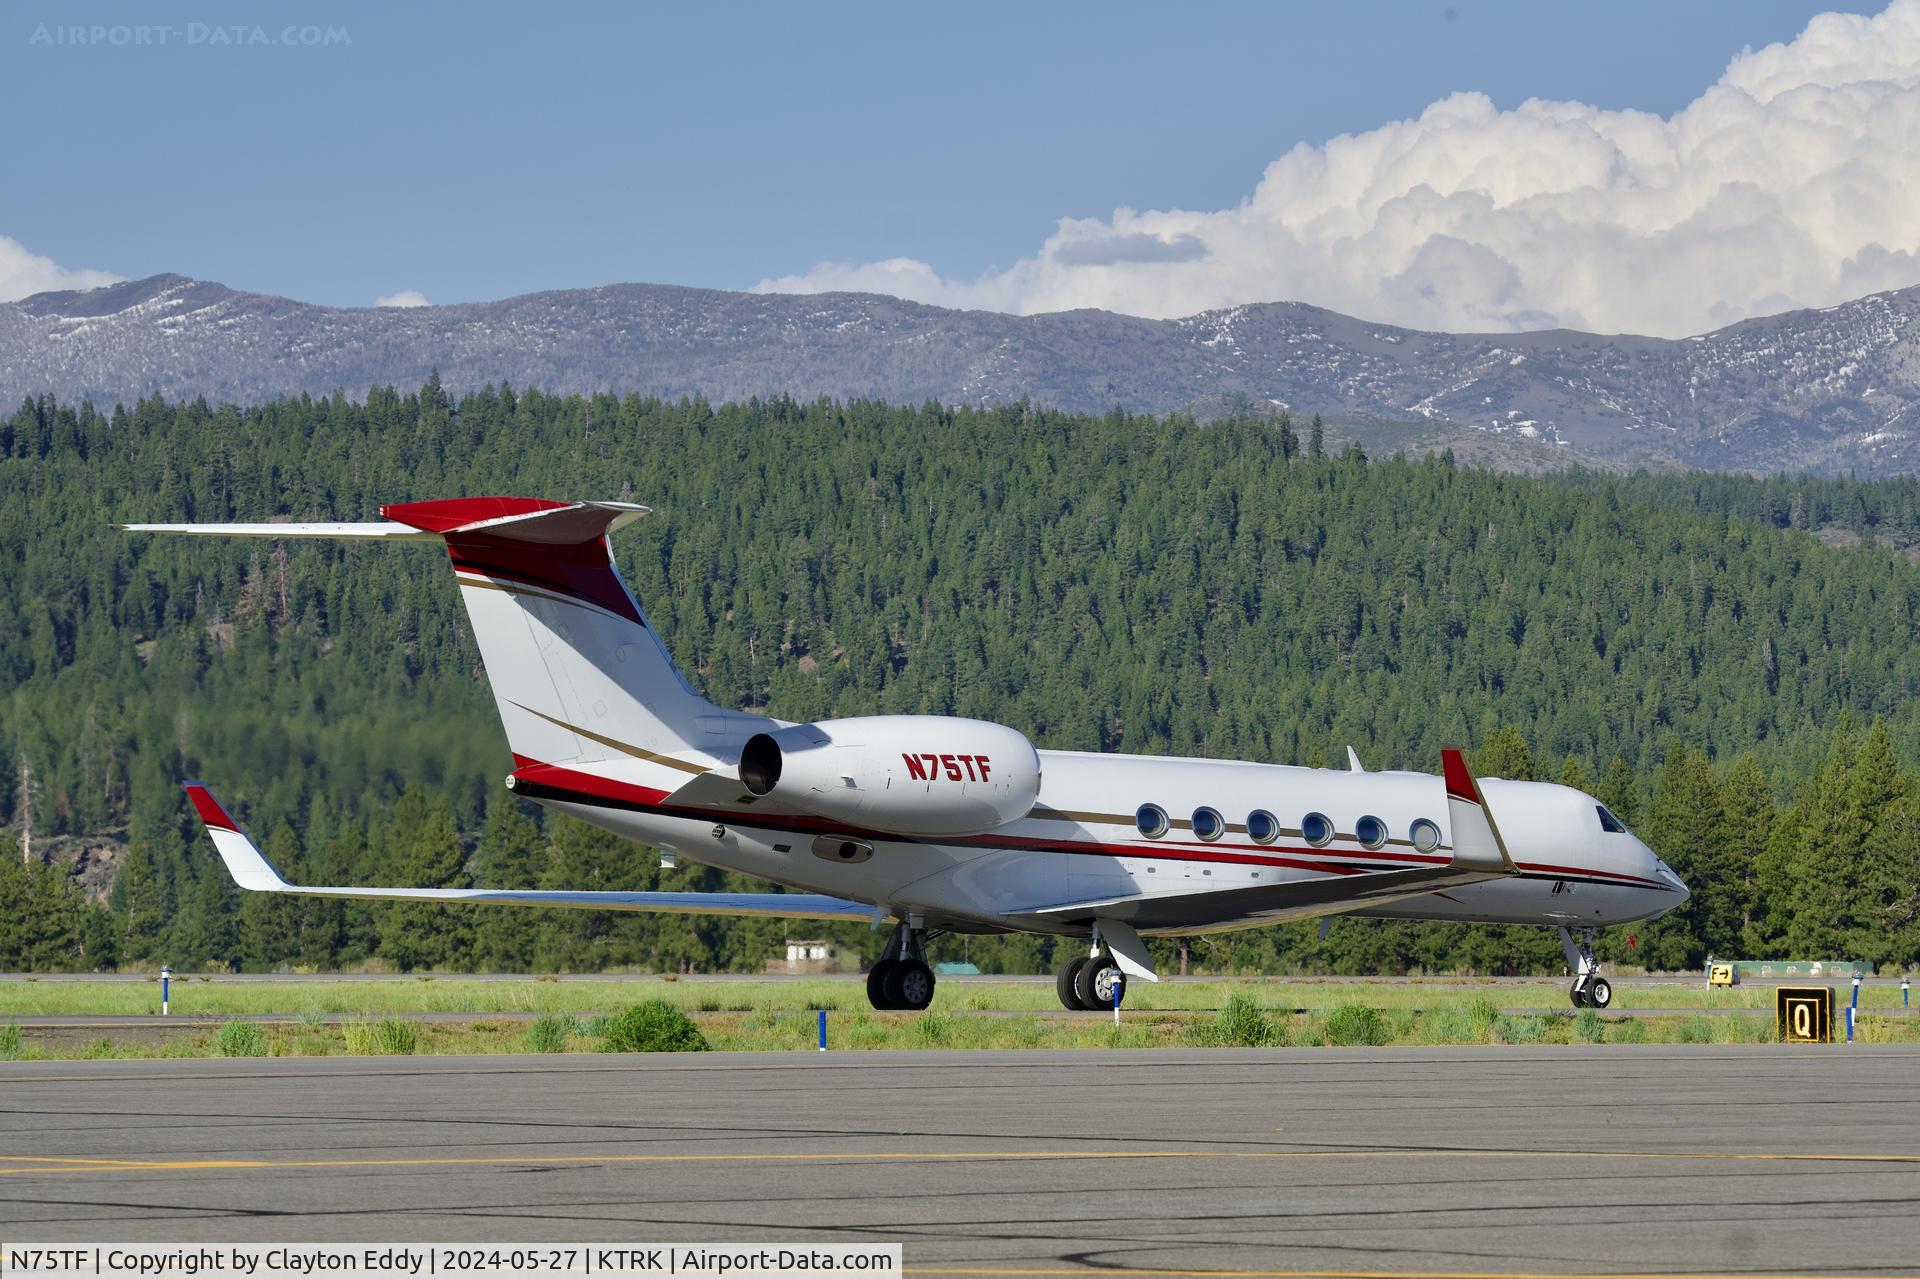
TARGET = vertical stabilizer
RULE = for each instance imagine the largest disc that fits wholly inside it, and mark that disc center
(578, 673)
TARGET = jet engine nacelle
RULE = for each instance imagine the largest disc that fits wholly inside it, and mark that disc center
(914, 774)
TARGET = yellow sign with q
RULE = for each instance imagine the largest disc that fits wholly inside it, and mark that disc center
(1804, 1014)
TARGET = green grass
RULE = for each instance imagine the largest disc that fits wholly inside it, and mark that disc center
(576, 1015)
(654, 1026)
(241, 1039)
(550, 1033)
(1240, 1024)
(388, 1037)
(225, 997)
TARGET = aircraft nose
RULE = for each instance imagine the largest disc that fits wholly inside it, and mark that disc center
(1673, 881)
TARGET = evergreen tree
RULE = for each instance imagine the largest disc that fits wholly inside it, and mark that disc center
(511, 854)
(1113, 583)
(1505, 754)
(423, 849)
(1684, 825)
(1747, 821)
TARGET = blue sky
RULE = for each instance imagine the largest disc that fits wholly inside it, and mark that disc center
(478, 151)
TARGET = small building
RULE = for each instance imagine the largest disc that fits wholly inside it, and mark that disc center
(808, 955)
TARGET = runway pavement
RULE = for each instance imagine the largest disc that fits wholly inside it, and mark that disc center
(1543, 1161)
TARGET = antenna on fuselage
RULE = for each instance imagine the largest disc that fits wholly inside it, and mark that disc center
(1353, 761)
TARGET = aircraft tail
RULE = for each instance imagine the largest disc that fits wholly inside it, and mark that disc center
(577, 672)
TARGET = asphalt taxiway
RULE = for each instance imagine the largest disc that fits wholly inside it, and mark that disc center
(1455, 1161)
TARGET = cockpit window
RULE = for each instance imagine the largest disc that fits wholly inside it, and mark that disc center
(1608, 822)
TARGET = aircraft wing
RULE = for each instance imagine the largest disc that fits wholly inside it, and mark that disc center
(252, 871)
(1479, 854)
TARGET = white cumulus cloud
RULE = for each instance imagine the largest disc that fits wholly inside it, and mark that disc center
(405, 297)
(1792, 181)
(22, 274)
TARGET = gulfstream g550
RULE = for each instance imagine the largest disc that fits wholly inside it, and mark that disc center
(957, 825)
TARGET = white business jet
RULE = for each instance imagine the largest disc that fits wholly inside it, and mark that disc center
(949, 825)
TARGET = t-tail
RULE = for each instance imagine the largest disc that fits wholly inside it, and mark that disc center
(579, 675)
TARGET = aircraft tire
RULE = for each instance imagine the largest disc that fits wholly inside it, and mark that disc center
(1579, 995)
(1599, 993)
(877, 984)
(1084, 982)
(1066, 982)
(909, 985)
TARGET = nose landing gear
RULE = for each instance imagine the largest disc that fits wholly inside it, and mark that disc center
(1589, 989)
(901, 979)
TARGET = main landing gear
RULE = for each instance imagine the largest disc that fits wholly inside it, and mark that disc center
(901, 980)
(1590, 989)
(1091, 982)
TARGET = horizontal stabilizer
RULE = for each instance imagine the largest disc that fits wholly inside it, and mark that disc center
(251, 870)
(384, 531)
(514, 519)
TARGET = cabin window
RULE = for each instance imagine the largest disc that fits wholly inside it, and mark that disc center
(1426, 835)
(1262, 827)
(1317, 829)
(1371, 831)
(1208, 824)
(1151, 820)
(1608, 822)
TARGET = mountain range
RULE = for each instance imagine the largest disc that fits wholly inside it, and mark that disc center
(1827, 390)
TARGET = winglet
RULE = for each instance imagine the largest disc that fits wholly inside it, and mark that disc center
(1476, 839)
(245, 862)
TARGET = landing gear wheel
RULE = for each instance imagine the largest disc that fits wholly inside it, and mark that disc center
(1109, 987)
(1097, 976)
(909, 985)
(1579, 995)
(1599, 994)
(1066, 983)
(877, 984)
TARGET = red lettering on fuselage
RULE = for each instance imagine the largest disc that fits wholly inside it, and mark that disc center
(928, 768)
